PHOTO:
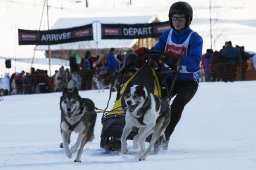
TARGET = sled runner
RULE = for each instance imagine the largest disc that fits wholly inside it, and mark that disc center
(114, 121)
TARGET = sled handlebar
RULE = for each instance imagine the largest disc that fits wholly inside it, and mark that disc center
(155, 52)
(143, 51)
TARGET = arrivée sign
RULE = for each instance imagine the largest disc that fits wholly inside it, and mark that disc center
(58, 36)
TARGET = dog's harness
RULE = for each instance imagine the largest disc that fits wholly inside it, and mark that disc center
(141, 112)
(164, 106)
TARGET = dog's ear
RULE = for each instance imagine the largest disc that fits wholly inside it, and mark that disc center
(75, 91)
(65, 91)
(141, 85)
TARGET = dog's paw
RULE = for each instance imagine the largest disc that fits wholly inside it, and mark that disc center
(141, 158)
(77, 160)
(74, 148)
(68, 153)
(138, 157)
(124, 150)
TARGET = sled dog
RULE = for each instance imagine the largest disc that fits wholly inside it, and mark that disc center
(77, 115)
(150, 113)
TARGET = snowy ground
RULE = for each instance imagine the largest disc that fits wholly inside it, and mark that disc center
(216, 132)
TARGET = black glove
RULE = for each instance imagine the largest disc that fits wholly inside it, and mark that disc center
(171, 62)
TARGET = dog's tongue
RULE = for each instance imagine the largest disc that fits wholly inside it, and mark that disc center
(70, 114)
(131, 108)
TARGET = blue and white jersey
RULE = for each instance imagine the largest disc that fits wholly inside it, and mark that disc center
(189, 45)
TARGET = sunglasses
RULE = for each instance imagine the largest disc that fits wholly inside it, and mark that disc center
(180, 19)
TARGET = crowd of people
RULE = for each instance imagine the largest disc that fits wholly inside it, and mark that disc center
(23, 82)
(227, 64)
(82, 73)
(85, 71)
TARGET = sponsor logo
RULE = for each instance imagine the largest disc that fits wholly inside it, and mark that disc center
(28, 37)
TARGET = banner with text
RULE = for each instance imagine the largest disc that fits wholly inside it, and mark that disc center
(131, 31)
(58, 36)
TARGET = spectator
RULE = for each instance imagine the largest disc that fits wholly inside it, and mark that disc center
(18, 82)
(27, 84)
(6, 84)
(33, 75)
(222, 65)
(87, 71)
(244, 64)
(112, 63)
(232, 58)
(74, 68)
(215, 66)
(54, 77)
(61, 81)
(13, 84)
(206, 62)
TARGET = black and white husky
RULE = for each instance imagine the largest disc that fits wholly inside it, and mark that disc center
(77, 115)
(150, 113)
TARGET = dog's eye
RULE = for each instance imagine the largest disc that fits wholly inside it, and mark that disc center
(127, 95)
(136, 96)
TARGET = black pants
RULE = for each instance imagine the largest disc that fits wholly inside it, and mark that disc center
(183, 92)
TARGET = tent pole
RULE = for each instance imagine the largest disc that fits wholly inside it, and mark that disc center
(96, 36)
(49, 48)
(33, 59)
(34, 53)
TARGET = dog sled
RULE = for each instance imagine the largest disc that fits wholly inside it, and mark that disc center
(114, 121)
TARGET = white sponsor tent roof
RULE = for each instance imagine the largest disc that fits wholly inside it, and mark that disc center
(97, 43)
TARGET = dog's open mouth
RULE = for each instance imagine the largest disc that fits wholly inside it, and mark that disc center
(69, 114)
(131, 108)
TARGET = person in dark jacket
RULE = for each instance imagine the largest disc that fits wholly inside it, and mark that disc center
(232, 59)
(244, 64)
(216, 66)
(182, 44)
(87, 71)
(74, 64)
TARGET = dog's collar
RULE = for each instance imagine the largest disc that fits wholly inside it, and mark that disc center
(81, 111)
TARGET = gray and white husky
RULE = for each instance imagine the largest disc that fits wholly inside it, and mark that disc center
(150, 113)
(77, 115)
